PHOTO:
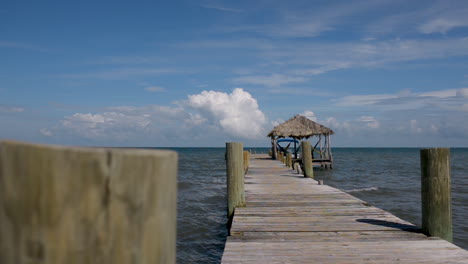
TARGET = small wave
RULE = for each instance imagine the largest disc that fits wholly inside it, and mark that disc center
(368, 189)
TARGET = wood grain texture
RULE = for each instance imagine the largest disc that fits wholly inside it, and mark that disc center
(292, 219)
(246, 160)
(436, 195)
(307, 159)
(86, 205)
(235, 176)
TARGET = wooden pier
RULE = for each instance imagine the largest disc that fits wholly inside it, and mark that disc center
(292, 219)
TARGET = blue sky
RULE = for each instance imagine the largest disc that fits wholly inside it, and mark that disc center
(200, 73)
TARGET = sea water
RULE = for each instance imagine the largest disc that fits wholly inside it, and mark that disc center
(388, 178)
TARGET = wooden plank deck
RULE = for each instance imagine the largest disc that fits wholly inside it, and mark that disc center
(292, 219)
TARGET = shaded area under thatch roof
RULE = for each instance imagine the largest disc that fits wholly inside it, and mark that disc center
(299, 127)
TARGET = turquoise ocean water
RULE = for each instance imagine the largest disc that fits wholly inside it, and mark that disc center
(388, 178)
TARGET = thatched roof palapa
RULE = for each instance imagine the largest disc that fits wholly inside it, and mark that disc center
(299, 127)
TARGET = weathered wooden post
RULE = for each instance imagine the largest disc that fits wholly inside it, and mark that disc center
(246, 160)
(435, 193)
(235, 176)
(307, 159)
(274, 154)
(288, 160)
(86, 205)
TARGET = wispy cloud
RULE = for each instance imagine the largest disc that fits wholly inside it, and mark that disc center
(155, 89)
(450, 99)
(244, 43)
(301, 91)
(295, 29)
(18, 45)
(327, 67)
(433, 17)
(308, 59)
(296, 20)
(273, 80)
(124, 73)
(11, 109)
(128, 60)
(46, 132)
(222, 8)
(443, 25)
(333, 56)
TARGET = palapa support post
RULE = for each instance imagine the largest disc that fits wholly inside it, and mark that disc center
(435, 193)
(288, 160)
(235, 176)
(87, 205)
(274, 152)
(297, 167)
(307, 159)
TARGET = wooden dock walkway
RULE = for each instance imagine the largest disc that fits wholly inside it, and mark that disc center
(292, 219)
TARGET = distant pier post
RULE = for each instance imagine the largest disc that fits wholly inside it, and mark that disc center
(274, 152)
(307, 159)
(86, 205)
(436, 193)
(246, 160)
(235, 176)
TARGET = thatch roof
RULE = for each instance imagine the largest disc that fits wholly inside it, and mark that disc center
(299, 127)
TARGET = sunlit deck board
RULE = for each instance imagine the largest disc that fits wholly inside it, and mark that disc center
(292, 219)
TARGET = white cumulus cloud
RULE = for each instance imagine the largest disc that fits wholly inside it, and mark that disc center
(237, 113)
(209, 116)
(310, 115)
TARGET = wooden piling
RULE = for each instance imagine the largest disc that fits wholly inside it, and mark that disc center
(435, 193)
(246, 161)
(86, 205)
(235, 176)
(307, 159)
